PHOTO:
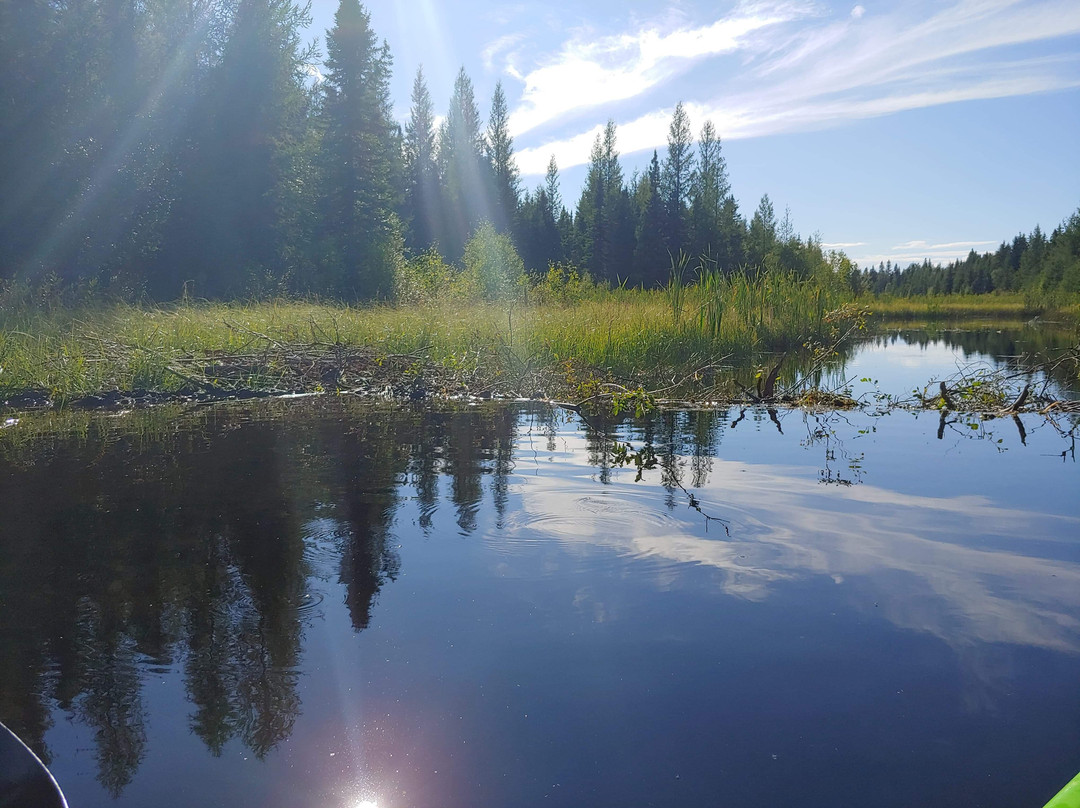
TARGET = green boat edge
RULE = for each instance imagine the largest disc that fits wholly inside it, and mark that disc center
(1068, 797)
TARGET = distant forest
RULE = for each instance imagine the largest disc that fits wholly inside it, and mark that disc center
(167, 147)
(1030, 263)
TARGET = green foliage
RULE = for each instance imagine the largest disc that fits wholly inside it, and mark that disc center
(360, 159)
(562, 285)
(425, 279)
(644, 459)
(493, 270)
(154, 152)
(639, 401)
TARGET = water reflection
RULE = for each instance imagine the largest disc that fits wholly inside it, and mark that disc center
(910, 357)
(958, 582)
(198, 546)
(121, 554)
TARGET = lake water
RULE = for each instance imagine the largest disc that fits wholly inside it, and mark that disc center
(327, 603)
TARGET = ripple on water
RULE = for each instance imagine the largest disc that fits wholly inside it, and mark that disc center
(309, 605)
(610, 519)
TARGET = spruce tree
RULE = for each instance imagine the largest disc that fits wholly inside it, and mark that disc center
(538, 232)
(500, 152)
(589, 221)
(360, 155)
(465, 171)
(551, 187)
(652, 261)
(710, 190)
(605, 220)
(228, 229)
(421, 173)
(762, 236)
(677, 178)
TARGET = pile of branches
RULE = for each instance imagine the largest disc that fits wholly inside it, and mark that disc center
(998, 391)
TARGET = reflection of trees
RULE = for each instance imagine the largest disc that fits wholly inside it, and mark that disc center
(110, 700)
(372, 457)
(673, 435)
(240, 676)
(124, 553)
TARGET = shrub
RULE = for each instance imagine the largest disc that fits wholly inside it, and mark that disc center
(563, 285)
(426, 278)
(493, 269)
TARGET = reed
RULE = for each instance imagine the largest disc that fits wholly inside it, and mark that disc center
(628, 334)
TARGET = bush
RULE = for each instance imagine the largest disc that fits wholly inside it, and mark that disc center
(426, 278)
(493, 268)
(563, 285)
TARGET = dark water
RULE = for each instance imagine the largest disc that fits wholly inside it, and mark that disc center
(320, 603)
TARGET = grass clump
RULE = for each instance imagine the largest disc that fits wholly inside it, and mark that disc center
(480, 328)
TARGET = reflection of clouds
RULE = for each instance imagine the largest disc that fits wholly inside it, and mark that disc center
(919, 550)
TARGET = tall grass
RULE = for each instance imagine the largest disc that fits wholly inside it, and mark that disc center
(623, 332)
(1006, 305)
(645, 336)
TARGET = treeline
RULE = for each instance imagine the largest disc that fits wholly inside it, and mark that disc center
(1029, 263)
(163, 147)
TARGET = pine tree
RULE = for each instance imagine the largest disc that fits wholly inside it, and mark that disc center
(500, 152)
(360, 153)
(677, 178)
(229, 227)
(551, 187)
(710, 190)
(422, 177)
(465, 171)
(762, 236)
(652, 261)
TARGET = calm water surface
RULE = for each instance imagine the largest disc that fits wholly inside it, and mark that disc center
(320, 603)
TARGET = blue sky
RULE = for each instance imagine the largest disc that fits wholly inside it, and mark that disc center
(897, 130)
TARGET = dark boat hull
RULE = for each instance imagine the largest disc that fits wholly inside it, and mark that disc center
(24, 780)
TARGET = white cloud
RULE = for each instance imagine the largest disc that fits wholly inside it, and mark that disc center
(827, 73)
(842, 245)
(950, 245)
(504, 44)
(788, 528)
(857, 12)
(589, 71)
(917, 251)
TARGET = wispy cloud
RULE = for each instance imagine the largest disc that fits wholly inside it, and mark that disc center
(592, 71)
(828, 72)
(843, 245)
(504, 44)
(949, 245)
(904, 545)
(917, 251)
